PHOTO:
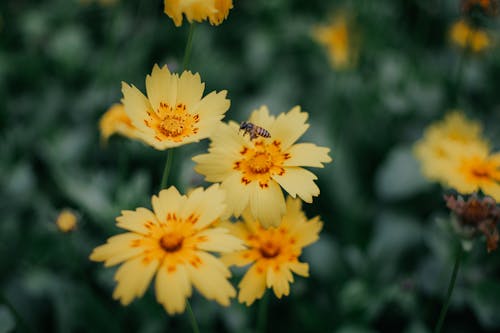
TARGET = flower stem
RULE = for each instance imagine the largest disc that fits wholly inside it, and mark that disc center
(189, 46)
(166, 170)
(451, 285)
(262, 314)
(192, 318)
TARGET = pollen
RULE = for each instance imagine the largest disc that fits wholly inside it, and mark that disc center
(171, 242)
(260, 162)
(173, 123)
(269, 249)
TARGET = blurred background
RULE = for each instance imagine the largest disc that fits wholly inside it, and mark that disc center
(384, 257)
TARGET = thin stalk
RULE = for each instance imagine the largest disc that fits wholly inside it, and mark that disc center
(451, 285)
(192, 318)
(262, 313)
(189, 47)
(166, 170)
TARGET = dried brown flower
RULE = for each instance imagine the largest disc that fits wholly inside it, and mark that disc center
(475, 216)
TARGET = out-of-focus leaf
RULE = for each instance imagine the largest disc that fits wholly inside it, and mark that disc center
(399, 177)
(485, 300)
(7, 320)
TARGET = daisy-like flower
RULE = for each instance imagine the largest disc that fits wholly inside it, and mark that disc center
(174, 112)
(469, 37)
(172, 242)
(66, 221)
(337, 39)
(116, 120)
(273, 253)
(436, 148)
(215, 11)
(473, 168)
(252, 171)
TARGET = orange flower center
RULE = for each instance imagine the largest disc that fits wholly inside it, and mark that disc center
(171, 242)
(261, 162)
(172, 123)
(269, 249)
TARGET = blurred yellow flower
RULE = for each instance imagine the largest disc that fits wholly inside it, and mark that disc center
(468, 37)
(473, 168)
(172, 242)
(337, 39)
(443, 139)
(174, 112)
(66, 221)
(251, 171)
(116, 120)
(273, 252)
(215, 11)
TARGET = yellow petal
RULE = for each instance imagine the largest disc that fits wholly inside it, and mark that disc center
(219, 240)
(252, 286)
(117, 249)
(161, 86)
(267, 205)
(136, 220)
(136, 106)
(492, 189)
(299, 268)
(214, 104)
(277, 278)
(215, 168)
(167, 201)
(307, 233)
(288, 127)
(237, 194)
(261, 117)
(210, 278)
(307, 154)
(133, 278)
(298, 181)
(190, 89)
(239, 259)
(173, 288)
(207, 205)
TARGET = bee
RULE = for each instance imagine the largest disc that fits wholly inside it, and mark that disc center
(253, 130)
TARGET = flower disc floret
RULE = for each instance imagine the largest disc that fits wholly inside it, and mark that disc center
(253, 171)
(172, 242)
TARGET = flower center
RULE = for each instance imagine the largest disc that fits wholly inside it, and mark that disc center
(171, 242)
(172, 123)
(269, 249)
(260, 162)
(481, 173)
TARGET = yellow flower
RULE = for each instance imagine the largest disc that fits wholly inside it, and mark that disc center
(251, 171)
(174, 113)
(273, 252)
(337, 39)
(466, 36)
(116, 120)
(172, 242)
(472, 168)
(215, 11)
(437, 146)
(66, 221)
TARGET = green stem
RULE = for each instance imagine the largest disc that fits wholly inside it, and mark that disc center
(262, 314)
(22, 326)
(451, 285)
(192, 318)
(189, 47)
(168, 166)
